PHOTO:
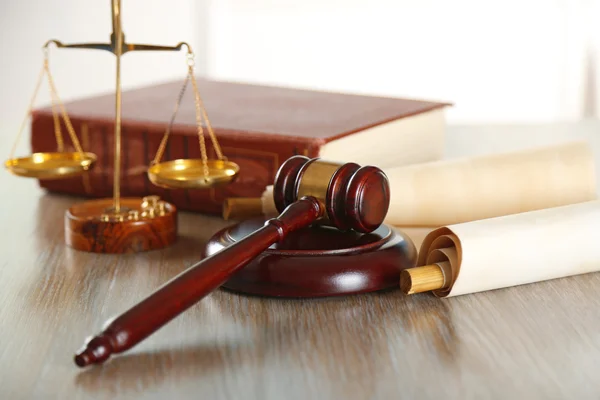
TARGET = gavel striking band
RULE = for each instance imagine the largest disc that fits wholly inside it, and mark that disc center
(345, 196)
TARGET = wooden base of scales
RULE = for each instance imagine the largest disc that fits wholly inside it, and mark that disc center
(141, 224)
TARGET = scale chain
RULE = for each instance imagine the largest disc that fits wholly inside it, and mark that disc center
(29, 110)
(65, 116)
(60, 145)
(199, 123)
(163, 142)
(201, 110)
(200, 107)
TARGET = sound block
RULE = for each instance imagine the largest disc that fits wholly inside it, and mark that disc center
(319, 261)
(141, 224)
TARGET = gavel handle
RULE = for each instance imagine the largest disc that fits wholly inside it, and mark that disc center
(192, 285)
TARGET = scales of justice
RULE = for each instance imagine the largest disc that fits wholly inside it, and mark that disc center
(120, 225)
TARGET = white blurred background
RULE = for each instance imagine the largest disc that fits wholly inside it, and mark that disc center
(510, 61)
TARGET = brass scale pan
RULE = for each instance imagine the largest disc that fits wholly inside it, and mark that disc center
(51, 165)
(188, 173)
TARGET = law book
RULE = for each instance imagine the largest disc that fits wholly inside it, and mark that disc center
(258, 127)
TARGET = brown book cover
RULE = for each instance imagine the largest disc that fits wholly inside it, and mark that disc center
(258, 127)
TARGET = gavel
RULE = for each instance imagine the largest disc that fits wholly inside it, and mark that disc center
(306, 191)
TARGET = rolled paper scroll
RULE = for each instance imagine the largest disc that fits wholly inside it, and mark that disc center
(468, 189)
(507, 251)
(243, 207)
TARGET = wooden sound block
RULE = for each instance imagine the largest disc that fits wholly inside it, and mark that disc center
(319, 261)
(142, 225)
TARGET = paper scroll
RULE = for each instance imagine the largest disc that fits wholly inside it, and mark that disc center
(455, 191)
(512, 250)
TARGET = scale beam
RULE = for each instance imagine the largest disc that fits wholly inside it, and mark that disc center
(111, 47)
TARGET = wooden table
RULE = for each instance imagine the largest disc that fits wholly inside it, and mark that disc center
(535, 341)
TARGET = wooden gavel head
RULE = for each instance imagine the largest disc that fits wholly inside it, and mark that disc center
(352, 197)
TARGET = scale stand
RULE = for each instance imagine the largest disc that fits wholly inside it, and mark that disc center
(124, 225)
(120, 225)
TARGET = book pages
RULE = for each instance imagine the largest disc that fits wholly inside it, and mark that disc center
(516, 249)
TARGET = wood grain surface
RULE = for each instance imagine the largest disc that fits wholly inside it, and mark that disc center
(538, 341)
